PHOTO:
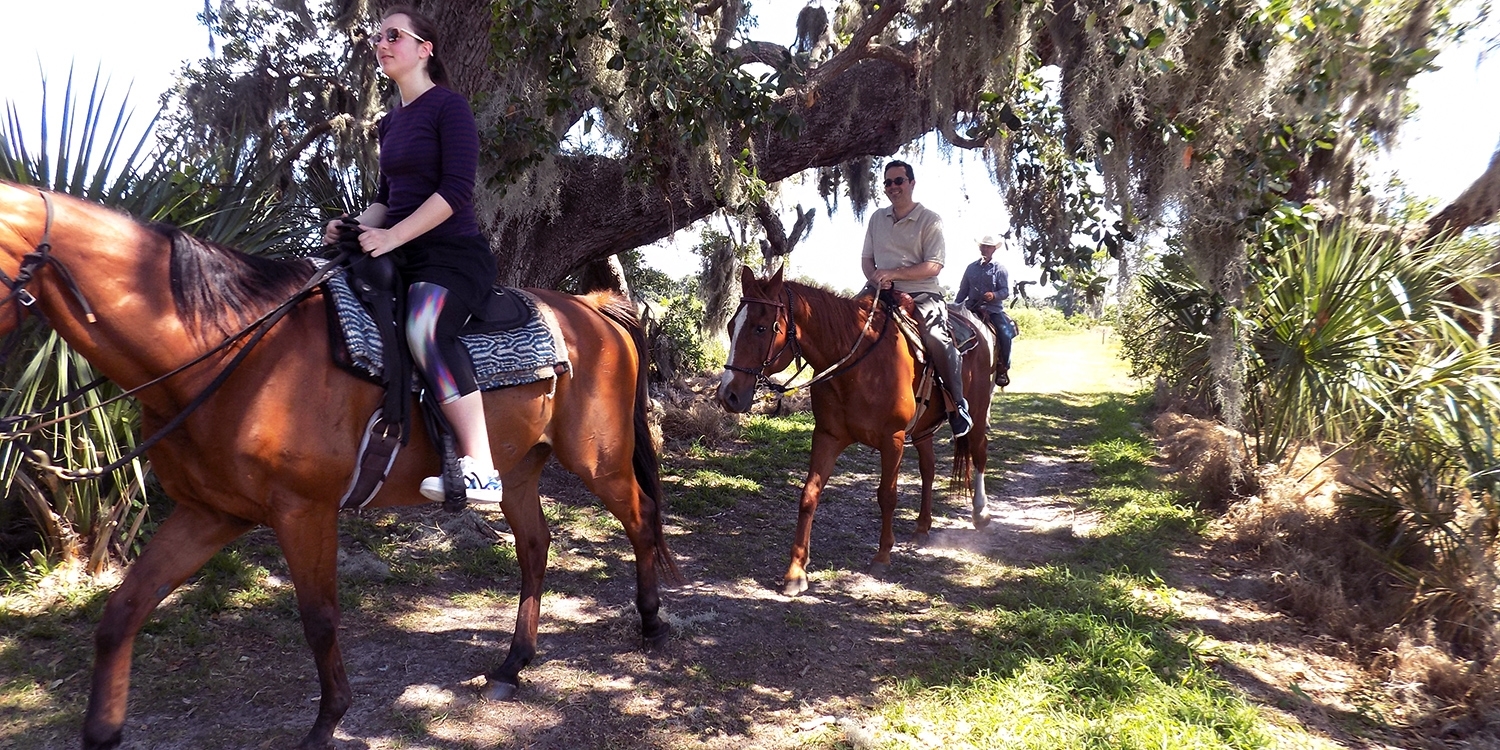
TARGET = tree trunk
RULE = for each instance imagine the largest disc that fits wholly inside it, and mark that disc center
(1476, 205)
(607, 274)
(464, 32)
(601, 214)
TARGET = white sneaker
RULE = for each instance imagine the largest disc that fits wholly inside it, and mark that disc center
(432, 489)
(480, 489)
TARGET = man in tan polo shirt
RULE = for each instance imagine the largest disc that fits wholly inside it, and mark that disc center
(904, 250)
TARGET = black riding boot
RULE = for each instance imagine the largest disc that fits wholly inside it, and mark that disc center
(953, 379)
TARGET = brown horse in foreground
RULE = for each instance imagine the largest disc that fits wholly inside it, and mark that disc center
(871, 400)
(275, 445)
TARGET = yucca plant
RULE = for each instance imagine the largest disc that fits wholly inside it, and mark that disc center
(224, 195)
(1360, 346)
(1165, 326)
(1357, 345)
(1433, 495)
(83, 521)
(1338, 318)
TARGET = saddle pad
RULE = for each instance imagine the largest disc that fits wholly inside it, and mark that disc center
(517, 356)
(964, 328)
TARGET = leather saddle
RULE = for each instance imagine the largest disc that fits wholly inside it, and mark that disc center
(377, 285)
(963, 328)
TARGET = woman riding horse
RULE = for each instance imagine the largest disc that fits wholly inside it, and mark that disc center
(275, 445)
(424, 214)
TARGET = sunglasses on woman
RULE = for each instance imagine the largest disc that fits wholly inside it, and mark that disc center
(393, 35)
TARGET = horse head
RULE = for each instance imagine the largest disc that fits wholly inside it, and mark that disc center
(75, 264)
(26, 240)
(761, 340)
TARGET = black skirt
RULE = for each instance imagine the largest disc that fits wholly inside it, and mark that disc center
(462, 265)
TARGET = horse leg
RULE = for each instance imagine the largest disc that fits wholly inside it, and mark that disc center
(183, 543)
(522, 506)
(979, 446)
(310, 543)
(625, 499)
(927, 462)
(979, 392)
(825, 449)
(890, 469)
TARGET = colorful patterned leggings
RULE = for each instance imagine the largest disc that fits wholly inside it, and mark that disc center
(432, 324)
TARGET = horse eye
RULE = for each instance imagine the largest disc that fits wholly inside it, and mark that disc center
(760, 329)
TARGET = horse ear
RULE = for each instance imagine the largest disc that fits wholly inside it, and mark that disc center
(747, 277)
(776, 278)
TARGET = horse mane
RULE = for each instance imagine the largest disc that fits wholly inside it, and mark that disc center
(836, 313)
(219, 288)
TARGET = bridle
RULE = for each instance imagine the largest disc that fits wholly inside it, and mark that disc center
(773, 353)
(33, 262)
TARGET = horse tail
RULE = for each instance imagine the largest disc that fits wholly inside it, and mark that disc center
(963, 466)
(647, 466)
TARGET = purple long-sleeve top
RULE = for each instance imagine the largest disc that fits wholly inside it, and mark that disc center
(430, 146)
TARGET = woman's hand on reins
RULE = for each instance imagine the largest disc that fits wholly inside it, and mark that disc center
(331, 232)
(377, 242)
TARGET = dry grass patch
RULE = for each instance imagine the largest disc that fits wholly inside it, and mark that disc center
(1324, 566)
(1208, 459)
(688, 413)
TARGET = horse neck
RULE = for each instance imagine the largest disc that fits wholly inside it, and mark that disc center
(122, 269)
(827, 325)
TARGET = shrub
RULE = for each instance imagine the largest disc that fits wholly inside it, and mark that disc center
(1045, 321)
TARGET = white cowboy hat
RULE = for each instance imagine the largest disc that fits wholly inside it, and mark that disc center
(990, 239)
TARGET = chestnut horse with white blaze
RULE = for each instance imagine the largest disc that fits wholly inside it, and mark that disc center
(275, 445)
(865, 392)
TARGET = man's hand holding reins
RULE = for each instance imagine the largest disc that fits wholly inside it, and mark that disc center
(882, 278)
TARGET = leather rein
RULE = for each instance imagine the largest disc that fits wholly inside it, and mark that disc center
(784, 310)
(31, 262)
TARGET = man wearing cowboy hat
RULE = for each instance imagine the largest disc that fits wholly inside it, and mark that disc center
(984, 288)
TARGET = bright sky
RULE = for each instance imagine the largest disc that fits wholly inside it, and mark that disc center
(1442, 151)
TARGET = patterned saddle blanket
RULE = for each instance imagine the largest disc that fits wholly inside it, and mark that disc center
(517, 356)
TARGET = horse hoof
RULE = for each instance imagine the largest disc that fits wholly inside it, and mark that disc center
(657, 641)
(794, 586)
(981, 519)
(109, 743)
(879, 569)
(919, 539)
(499, 690)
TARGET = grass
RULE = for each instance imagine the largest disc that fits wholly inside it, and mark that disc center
(769, 456)
(1046, 322)
(1078, 653)
(1081, 653)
